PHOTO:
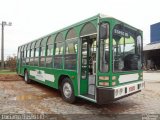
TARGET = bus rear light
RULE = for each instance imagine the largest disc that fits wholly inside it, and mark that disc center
(103, 77)
(113, 83)
(113, 77)
(103, 83)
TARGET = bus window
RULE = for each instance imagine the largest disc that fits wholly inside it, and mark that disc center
(71, 34)
(49, 56)
(42, 57)
(42, 52)
(104, 55)
(28, 53)
(36, 53)
(57, 50)
(70, 54)
(88, 29)
(18, 55)
(104, 49)
(49, 51)
(24, 55)
(126, 55)
(70, 50)
(31, 62)
(32, 53)
(58, 47)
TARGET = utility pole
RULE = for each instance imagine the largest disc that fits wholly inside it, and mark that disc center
(2, 42)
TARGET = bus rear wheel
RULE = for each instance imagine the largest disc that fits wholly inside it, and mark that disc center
(26, 77)
(67, 91)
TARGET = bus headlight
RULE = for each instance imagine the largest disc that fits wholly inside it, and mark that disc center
(103, 77)
(113, 83)
(103, 83)
(113, 77)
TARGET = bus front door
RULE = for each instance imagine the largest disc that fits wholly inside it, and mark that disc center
(88, 69)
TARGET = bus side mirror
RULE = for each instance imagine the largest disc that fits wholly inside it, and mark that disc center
(104, 31)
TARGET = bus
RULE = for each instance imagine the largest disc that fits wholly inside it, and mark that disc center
(98, 59)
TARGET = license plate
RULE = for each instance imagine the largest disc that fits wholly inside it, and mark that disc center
(132, 88)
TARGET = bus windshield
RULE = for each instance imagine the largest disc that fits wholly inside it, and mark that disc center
(127, 48)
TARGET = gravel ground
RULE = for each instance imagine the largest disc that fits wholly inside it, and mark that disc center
(17, 97)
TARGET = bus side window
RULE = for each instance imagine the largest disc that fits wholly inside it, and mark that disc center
(31, 61)
(58, 55)
(104, 55)
(49, 51)
(28, 54)
(36, 56)
(58, 51)
(49, 55)
(42, 57)
(42, 52)
(31, 57)
(36, 53)
(70, 54)
(24, 55)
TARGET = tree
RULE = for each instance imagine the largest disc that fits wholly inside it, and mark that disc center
(11, 63)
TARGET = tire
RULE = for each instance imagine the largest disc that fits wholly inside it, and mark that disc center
(67, 91)
(26, 77)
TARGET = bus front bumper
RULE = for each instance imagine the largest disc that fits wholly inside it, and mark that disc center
(106, 95)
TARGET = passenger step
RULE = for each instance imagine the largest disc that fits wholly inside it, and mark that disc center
(89, 96)
(91, 85)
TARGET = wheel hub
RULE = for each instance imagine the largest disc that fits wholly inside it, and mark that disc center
(67, 90)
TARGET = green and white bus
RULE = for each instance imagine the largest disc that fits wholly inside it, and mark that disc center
(98, 59)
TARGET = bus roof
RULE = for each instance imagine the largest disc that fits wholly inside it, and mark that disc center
(79, 23)
(73, 25)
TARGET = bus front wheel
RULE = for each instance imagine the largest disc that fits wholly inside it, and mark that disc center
(67, 91)
(26, 77)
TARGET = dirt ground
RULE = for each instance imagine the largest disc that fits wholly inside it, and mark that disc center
(17, 97)
(10, 77)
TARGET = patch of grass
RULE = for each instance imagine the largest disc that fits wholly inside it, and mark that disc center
(6, 72)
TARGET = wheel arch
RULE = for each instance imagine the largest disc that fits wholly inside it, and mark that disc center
(25, 69)
(61, 78)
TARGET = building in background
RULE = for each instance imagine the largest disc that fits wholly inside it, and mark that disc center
(152, 50)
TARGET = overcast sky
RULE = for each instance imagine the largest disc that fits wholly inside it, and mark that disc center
(34, 18)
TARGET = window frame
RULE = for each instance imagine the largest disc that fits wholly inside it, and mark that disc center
(49, 42)
(135, 40)
(37, 50)
(43, 48)
(59, 39)
(70, 38)
(109, 48)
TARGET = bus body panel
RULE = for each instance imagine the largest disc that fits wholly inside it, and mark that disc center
(51, 76)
